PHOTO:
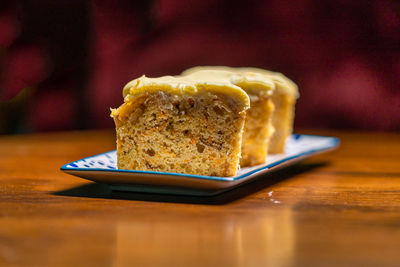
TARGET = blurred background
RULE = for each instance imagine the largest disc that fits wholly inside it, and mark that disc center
(63, 63)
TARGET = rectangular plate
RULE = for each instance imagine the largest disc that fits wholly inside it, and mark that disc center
(102, 168)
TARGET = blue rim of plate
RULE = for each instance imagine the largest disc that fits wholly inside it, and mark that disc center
(334, 143)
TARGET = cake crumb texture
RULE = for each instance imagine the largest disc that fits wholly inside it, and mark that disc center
(169, 132)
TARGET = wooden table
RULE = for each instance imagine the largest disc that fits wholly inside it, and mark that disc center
(336, 209)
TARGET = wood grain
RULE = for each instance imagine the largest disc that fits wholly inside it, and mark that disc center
(340, 208)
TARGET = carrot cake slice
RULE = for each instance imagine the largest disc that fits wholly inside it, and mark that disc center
(178, 124)
(258, 128)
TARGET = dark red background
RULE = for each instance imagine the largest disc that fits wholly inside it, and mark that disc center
(72, 58)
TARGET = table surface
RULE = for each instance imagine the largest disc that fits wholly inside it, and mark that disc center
(338, 208)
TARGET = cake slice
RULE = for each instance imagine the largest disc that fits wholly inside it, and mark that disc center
(284, 99)
(258, 128)
(179, 125)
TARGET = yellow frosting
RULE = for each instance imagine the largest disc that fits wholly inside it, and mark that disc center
(184, 85)
(282, 83)
(254, 83)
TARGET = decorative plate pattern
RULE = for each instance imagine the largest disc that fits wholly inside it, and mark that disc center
(103, 168)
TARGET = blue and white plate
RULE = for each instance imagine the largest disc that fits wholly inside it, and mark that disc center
(102, 168)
